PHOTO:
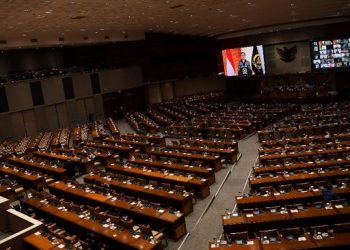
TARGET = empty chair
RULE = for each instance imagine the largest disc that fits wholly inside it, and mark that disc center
(129, 225)
(255, 211)
(266, 190)
(320, 184)
(339, 202)
(305, 186)
(166, 186)
(285, 188)
(291, 233)
(342, 227)
(295, 206)
(269, 236)
(179, 189)
(274, 209)
(148, 233)
(239, 238)
(320, 232)
(116, 221)
(342, 183)
(153, 183)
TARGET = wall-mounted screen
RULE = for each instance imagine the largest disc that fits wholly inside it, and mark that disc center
(246, 61)
(330, 54)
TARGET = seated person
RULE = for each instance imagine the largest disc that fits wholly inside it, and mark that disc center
(328, 194)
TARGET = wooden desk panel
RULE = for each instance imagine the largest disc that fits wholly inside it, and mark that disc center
(201, 186)
(29, 180)
(297, 166)
(57, 172)
(175, 226)
(291, 197)
(213, 161)
(268, 220)
(229, 154)
(283, 179)
(183, 203)
(120, 238)
(207, 173)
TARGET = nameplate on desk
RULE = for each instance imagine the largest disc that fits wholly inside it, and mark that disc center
(301, 239)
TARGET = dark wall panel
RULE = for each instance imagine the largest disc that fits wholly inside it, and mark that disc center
(68, 88)
(37, 93)
(95, 83)
(4, 107)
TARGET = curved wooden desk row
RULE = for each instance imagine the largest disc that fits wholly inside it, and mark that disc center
(312, 147)
(297, 178)
(292, 218)
(201, 186)
(136, 144)
(124, 151)
(339, 241)
(264, 158)
(114, 237)
(58, 172)
(229, 154)
(308, 139)
(300, 166)
(304, 128)
(30, 180)
(175, 226)
(292, 197)
(105, 158)
(158, 140)
(207, 173)
(219, 144)
(86, 164)
(212, 161)
(181, 202)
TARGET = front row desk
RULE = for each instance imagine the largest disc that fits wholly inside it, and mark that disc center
(112, 236)
(338, 241)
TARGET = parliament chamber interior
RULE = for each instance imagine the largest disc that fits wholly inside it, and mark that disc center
(175, 125)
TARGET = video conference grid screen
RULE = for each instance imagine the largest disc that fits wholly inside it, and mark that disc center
(244, 61)
(331, 54)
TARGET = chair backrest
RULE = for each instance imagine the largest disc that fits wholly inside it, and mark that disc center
(266, 189)
(342, 227)
(145, 230)
(269, 233)
(179, 188)
(166, 186)
(153, 183)
(285, 188)
(320, 184)
(127, 223)
(322, 228)
(296, 232)
(273, 209)
(338, 202)
(238, 236)
(303, 186)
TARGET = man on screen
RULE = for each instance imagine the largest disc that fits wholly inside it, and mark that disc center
(244, 66)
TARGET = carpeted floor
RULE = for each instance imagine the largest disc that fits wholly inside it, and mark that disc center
(204, 224)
